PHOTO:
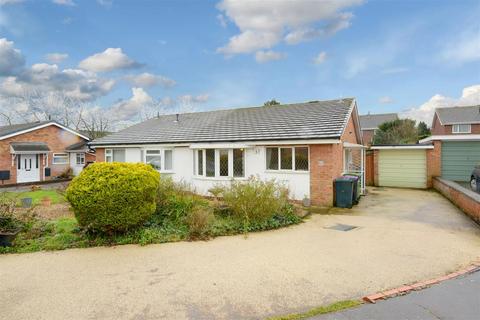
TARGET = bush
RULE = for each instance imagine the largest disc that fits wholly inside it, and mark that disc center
(200, 221)
(113, 197)
(175, 201)
(256, 201)
(8, 220)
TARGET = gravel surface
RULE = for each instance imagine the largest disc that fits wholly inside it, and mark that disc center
(402, 236)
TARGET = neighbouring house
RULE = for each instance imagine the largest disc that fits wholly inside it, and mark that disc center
(370, 122)
(40, 151)
(304, 145)
(456, 137)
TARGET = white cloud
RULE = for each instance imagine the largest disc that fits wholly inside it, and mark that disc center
(148, 80)
(7, 2)
(64, 2)
(470, 96)
(56, 57)
(342, 21)
(385, 100)
(263, 24)
(320, 58)
(48, 78)
(464, 48)
(11, 59)
(131, 108)
(269, 55)
(109, 60)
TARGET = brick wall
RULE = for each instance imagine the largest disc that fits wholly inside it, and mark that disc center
(100, 154)
(434, 163)
(368, 137)
(466, 200)
(326, 162)
(57, 140)
(375, 167)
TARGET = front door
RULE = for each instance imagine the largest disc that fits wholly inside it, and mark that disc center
(28, 168)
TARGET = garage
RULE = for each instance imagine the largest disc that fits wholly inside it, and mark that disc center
(402, 166)
(459, 158)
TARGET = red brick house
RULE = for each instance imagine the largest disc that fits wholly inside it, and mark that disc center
(370, 122)
(40, 151)
(302, 145)
(456, 120)
(456, 137)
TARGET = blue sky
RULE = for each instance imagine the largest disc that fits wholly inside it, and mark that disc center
(393, 56)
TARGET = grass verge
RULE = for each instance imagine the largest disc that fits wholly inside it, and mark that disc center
(334, 307)
(38, 195)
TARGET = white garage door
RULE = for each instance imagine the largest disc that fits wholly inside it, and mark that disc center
(406, 168)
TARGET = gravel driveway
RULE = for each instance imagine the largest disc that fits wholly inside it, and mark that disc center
(402, 236)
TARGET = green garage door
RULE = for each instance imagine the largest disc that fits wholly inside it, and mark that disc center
(406, 168)
(459, 158)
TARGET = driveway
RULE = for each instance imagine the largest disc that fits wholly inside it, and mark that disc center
(403, 236)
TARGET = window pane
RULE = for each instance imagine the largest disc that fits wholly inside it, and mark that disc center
(238, 163)
(210, 162)
(223, 163)
(119, 155)
(301, 158)
(200, 162)
(272, 158)
(168, 160)
(60, 158)
(286, 158)
(153, 158)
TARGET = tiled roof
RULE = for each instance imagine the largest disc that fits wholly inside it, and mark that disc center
(372, 121)
(29, 146)
(310, 120)
(455, 115)
(7, 130)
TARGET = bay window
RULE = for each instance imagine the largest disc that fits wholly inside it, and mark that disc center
(287, 159)
(222, 163)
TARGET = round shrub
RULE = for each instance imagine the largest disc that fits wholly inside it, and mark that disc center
(113, 197)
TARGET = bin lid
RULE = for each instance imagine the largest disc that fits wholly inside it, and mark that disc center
(343, 179)
(351, 177)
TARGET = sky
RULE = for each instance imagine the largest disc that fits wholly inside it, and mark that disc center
(122, 57)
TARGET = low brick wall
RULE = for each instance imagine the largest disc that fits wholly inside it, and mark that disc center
(467, 200)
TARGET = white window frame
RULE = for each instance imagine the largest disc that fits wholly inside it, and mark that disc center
(82, 158)
(162, 158)
(458, 125)
(60, 155)
(108, 155)
(217, 175)
(293, 170)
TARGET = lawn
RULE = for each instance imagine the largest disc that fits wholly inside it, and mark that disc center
(176, 214)
(38, 195)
